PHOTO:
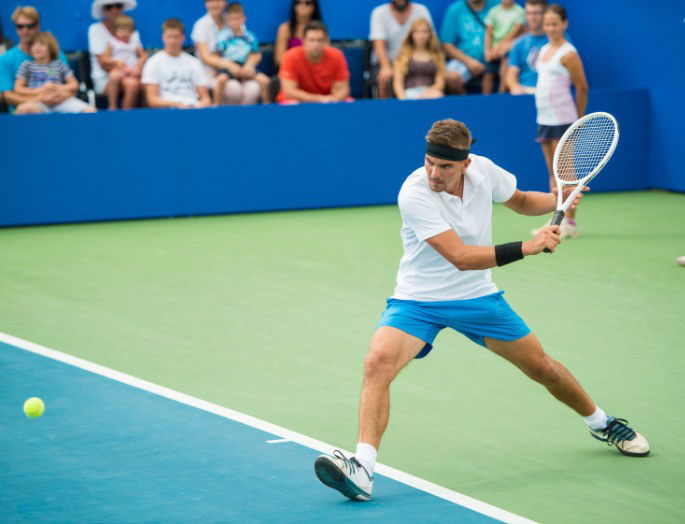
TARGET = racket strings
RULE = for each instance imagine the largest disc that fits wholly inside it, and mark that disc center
(585, 148)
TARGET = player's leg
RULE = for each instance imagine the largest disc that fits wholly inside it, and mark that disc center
(527, 354)
(390, 350)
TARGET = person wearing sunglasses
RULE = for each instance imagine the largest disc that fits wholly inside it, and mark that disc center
(104, 71)
(291, 32)
(27, 24)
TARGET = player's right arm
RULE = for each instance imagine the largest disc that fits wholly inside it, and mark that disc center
(465, 257)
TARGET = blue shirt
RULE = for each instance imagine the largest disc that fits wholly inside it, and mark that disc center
(523, 55)
(10, 63)
(460, 27)
(236, 48)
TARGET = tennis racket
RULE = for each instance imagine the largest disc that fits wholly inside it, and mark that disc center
(582, 152)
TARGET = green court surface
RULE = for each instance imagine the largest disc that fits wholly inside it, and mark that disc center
(270, 314)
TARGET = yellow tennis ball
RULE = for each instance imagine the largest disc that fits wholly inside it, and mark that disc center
(34, 407)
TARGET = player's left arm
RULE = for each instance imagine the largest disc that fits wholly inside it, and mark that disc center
(572, 62)
(535, 203)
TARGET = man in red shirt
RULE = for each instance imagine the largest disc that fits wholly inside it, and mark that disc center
(315, 71)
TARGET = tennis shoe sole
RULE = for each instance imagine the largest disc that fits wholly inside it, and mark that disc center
(332, 476)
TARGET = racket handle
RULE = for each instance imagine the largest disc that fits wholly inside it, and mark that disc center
(556, 220)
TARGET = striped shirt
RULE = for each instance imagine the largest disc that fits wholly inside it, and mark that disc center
(36, 75)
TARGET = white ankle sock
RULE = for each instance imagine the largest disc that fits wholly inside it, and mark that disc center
(366, 455)
(598, 420)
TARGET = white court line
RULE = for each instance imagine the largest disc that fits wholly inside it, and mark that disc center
(278, 441)
(285, 434)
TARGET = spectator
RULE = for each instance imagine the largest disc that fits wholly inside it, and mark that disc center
(107, 75)
(315, 71)
(45, 70)
(558, 66)
(27, 23)
(463, 39)
(503, 24)
(173, 78)
(390, 24)
(521, 76)
(127, 56)
(5, 43)
(240, 49)
(419, 69)
(205, 34)
(291, 32)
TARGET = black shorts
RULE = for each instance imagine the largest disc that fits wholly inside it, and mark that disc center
(549, 133)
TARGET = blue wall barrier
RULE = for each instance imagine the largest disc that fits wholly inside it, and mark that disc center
(157, 163)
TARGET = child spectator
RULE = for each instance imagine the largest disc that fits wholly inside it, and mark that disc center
(173, 78)
(240, 82)
(419, 69)
(45, 70)
(503, 24)
(107, 78)
(126, 55)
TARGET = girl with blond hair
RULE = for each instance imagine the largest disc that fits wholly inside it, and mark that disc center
(419, 69)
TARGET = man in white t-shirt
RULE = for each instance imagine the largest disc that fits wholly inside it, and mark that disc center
(390, 23)
(173, 78)
(444, 281)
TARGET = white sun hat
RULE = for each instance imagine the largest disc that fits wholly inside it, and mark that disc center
(98, 12)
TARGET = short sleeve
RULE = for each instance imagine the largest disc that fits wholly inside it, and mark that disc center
(97, 39)
(6, 80)
(516, 54)
(65, 71)
(198, 35)
(502, 181)
(23, 71)
(255, 43)
(150, 72)
(490, 17)
(449, 31)
(221, 41)
(422, 215)
(199, 75)
(288, 70)
(522, 17)
(377, 30)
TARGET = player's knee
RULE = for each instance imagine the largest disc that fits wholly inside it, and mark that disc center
(544, 371)
(379, 366)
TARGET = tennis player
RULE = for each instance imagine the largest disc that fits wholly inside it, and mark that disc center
(444, 281)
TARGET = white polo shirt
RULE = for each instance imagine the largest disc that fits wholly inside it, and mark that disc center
(424, 274)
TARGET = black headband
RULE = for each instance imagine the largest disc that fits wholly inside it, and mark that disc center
(447, 152)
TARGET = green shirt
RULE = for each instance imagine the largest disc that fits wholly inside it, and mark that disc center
(502, 20)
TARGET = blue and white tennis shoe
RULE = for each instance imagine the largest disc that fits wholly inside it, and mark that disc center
(347, 476)
(628, 441)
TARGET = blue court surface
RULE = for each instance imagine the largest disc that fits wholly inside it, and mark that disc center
(106, 451)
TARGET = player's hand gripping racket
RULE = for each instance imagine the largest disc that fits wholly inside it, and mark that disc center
(582, 152)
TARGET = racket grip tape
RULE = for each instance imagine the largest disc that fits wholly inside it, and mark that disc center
(556, 220)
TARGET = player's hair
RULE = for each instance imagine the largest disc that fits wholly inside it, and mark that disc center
(46, 38)
(173, 23)
(450, 133)
(124, 22)
(315, 25)
(27, 11)
(408, 47)
(542, 3)
(558, 10)
(235, 7)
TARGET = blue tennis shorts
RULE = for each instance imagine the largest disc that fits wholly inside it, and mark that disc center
(488, 316)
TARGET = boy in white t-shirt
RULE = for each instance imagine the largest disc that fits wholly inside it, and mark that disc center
(126, 54)
(173, 78)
